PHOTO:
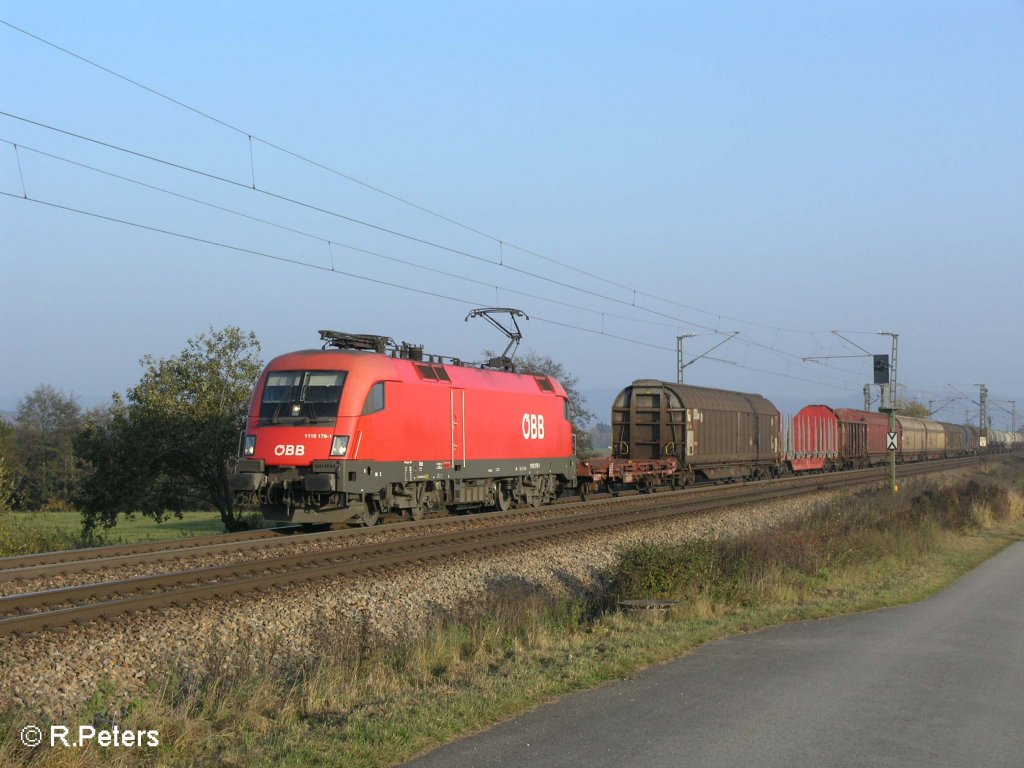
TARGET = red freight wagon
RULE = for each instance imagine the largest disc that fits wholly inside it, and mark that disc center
(815, 440)
(865, 440)
(842, 438)
(365, 427)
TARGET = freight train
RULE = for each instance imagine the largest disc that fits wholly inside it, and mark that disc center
(365, 427)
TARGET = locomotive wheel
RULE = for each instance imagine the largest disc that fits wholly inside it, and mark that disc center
(369, 516)
(502, 498)
(417, 512)
(534, 501)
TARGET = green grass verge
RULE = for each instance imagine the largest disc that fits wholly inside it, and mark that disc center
(23, 533)
(367, 704)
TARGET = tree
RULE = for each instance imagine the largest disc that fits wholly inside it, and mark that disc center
(165, 444)
(542, 365)
(915, 410)
(7, 480)
(43, 457)
(601, 436)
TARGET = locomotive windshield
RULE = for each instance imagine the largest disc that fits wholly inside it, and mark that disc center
(301, 397)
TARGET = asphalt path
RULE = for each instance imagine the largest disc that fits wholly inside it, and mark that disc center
(937, 683)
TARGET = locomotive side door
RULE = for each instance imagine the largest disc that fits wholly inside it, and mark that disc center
(458, 401)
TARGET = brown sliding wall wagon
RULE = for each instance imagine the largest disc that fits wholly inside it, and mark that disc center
(714, 434)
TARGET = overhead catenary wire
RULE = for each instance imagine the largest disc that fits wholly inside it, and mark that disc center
(309, 265)
(325, 239)
(242, 185)
(502, 242)
(251, 138)
(330, 242)
(284, 198)
(388, 283)
(237, 184)
(318, 209)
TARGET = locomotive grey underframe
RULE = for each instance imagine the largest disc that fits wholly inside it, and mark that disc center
(338, 490)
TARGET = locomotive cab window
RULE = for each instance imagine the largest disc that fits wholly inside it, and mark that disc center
(301, 397)
(374, 399)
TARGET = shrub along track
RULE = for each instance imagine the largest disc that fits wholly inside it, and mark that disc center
(60, 607)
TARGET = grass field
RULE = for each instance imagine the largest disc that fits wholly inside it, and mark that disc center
(23, 533)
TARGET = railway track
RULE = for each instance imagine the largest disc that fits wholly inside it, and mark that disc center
(65, 556)
(116, 562)
(260, 544)
(61, 607)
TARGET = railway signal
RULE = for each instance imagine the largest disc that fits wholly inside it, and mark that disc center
(884, 368)
(881, 366)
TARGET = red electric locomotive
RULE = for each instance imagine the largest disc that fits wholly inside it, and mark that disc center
(365, 427)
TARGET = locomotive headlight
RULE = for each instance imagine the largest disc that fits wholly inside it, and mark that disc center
(249, 445)
(340, 445)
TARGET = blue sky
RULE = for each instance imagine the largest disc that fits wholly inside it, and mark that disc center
(780, 169)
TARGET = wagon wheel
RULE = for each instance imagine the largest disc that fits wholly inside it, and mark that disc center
(585, 490)
(502, 497)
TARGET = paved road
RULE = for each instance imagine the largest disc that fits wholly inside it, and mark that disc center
(938, 683)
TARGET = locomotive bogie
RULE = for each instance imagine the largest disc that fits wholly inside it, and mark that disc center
(343, 495)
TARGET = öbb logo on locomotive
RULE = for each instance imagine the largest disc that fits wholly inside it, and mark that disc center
(365, 427)
(533, 426)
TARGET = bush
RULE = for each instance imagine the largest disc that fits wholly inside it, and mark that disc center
(849, 532)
